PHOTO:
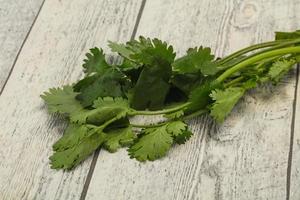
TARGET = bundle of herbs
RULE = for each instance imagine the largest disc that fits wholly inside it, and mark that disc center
(151, 81)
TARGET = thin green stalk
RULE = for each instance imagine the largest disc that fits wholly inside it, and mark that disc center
(276, 44)
(148, 125)
(263, 51)
(255, 59)
(159, 112)
(236, 80)
(194, 114)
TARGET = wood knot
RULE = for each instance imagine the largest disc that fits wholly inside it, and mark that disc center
(245, 15)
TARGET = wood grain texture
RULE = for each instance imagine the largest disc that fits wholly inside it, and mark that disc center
(295, 157)
(246, 157)
(16, 18)
(51, 57)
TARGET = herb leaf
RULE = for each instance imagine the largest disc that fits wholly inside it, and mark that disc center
(95, 62)
(75, 146)
(154, 143)
(153, 85)
(224, 101)
(62, 100)
(111, 83)
(279, 68)
(105, 109)
(118, 138)
(179, 131)
(197, 59)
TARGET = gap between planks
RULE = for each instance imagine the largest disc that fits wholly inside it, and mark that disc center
(21, 48)
(290, 155)
(96, 154)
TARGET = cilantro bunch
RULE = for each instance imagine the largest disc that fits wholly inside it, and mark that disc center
(149, 80)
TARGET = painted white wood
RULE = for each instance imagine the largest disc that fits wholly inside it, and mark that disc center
(16, 18)
(52, 56)
(244, 158)
(295, 165)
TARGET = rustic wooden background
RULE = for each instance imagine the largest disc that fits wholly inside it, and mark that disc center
(255, 154)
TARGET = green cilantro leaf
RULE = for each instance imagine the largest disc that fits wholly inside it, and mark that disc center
(132, 47)
(62, 100)
(153, 85)
(151, 88)
(152, 144)
(75, 146)
(199, 97)
(176, 127)
(279, 68)
(85, 82)
(118, 138)
(224, 101)
(183, 137)
(121, 49)
(111, 102)
(111, 83)
(128, 65)
(197, 59)
(95, 62)
(106, 109)
(156, 52)
(179, 131)
(186, 82)
(72, 136)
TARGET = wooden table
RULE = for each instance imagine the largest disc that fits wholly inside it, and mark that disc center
(255, 154)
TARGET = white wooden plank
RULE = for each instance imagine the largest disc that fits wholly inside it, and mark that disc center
(16, 18)
(52, 56)
(246, 157)
(295, 158)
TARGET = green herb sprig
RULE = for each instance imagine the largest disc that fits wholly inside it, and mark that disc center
(151, 81)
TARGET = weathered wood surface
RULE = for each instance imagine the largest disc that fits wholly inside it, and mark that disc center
(295, 151)
(16, 19)
(51, 56)
(247, 156)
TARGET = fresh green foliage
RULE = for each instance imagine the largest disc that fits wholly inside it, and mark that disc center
(95, 62)
(152, 144)
(224, 101)
(106, 109)
(118, 138)
(153, 85)
(121, 49)
(179, 131)
(111, 83)
(150, 81)
(279, 68)
(199, 97)
(62, 100)
(197, 60)
(78, 142)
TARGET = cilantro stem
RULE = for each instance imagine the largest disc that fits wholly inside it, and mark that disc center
(255, 59)
(187, 117)
(276, 44)
(149, 125)
(159, 112)
(284, 44)
(232, 82)
(195, 114)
